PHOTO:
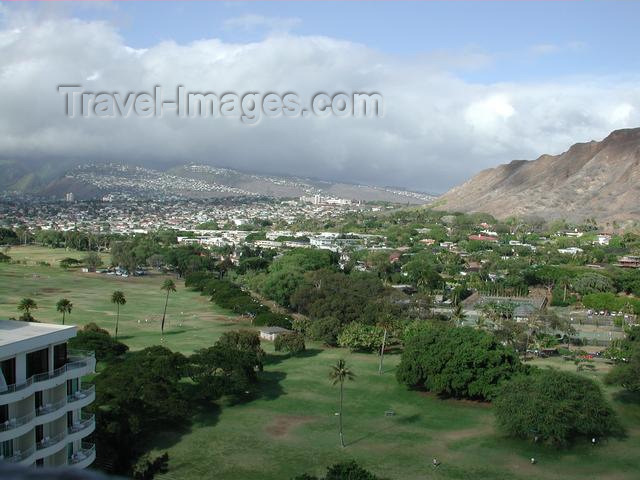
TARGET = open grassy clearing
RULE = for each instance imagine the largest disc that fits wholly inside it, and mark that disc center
(292, 428)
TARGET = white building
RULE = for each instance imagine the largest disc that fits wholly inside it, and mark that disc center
(42, 396)
(570, 250)
(271, 333)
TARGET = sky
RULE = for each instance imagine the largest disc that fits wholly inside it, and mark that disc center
(467, 85)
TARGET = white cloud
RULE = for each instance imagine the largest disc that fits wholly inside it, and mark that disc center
(437, 129)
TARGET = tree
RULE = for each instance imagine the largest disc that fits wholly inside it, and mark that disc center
(592, 283)
(554, 407)
(92, 337)
(227, 368)
(137, 397)
(343, 471)
(64, 306)
(92, 260)
(339, 374)
(458, 315)
(25, 306)
(387, 322)
(290, 342)
(118, 298)
(358, 336)
(627, 375)
(460, 362)
(326, 330)
(168, 286)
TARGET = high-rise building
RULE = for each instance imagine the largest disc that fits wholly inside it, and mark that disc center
(69, 197)
(42, 396)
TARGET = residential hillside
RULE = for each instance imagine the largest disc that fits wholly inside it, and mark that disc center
(590, 180)
(192, 181)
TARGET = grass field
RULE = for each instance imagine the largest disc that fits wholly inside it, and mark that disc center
(292, 428)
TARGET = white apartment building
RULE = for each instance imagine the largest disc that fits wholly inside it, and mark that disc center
(42, 396)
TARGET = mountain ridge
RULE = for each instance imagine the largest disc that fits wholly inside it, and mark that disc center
(596, 179)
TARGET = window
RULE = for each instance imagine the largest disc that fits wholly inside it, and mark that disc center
(59, 355)
(6, 449)
(37, 362)
(73, 386)
(8, 368)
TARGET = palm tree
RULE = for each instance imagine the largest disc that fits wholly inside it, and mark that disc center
(339, 373)
(168, 286)
(458, 314)
(386, 323)
(26, 305)
(64, 306)
(117, 297)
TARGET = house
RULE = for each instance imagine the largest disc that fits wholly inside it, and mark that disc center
(570, 250)
(523, 312)
(484, 238)
(42, 397)
(629, 261)
(271, 333)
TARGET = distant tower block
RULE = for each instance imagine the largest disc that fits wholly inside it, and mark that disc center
(69, 197)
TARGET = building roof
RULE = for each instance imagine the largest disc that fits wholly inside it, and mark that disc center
(16, 335)
(274, 330)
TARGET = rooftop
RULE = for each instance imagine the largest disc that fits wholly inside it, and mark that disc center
(274, 330)
(13, 331)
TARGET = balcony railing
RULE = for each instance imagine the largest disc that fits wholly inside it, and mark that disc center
(19, 455)
(84, 422)
(49, 441)
(86, 450)
(13, 423)
(81, 394)
(16, 422)
(81, 362)
(50, 407)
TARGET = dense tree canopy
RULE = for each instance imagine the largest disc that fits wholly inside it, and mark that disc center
(458, 362)
(343, 471)
(135, 398)
(554, 407)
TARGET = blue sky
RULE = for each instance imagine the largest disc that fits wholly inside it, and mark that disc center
(522, 40)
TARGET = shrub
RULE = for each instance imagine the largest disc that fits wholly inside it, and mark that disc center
(290, 342)
(301, 325)
(358, 336)
(554, 407)
(92, 337)
(147, 467)
(270, 319)
(458, 362)
(627, 374)
(69, 262)
(326, 330)
(343, 471)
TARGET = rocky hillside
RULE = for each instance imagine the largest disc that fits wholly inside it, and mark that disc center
(595, 179)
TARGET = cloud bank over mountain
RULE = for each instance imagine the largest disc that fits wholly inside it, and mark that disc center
(437, 130)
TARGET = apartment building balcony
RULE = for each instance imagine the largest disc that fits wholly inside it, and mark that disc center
(24, 457)
(84, 426)
(77, 366)
(51, 445)
(49, 412)
(84, 457)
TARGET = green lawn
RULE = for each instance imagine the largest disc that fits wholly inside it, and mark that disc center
(292, 428)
